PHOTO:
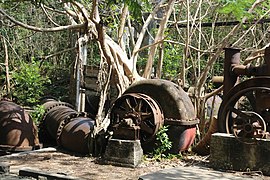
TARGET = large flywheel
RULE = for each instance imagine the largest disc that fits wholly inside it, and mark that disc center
(245, 110)
(138, 112)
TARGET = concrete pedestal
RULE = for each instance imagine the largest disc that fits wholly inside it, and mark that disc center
(127, 153)
(227, 152)
(4, 168)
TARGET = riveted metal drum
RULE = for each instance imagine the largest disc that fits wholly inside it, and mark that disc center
(66, 127)
(75, 134)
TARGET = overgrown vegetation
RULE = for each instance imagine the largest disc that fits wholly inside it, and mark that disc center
(29, 84)
(163, 145)
(37, 114)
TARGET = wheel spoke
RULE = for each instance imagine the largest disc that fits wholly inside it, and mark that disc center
(146, 115)
(252, 99)
(238, 127)
(128, 103)
(242, 134)
(239, 113)
(146, 128)
(138, 106)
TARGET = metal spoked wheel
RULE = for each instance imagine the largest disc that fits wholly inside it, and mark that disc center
(245, 111)
(135, 109)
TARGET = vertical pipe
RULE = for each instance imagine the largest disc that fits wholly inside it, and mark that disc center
(84, 62)
(232, 57)
(82, 92)
(81, 62)
(78, 98)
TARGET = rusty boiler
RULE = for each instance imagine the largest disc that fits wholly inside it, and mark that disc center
(17, 129)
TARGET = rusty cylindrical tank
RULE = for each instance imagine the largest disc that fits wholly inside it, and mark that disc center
(17, 130)
(69, 128)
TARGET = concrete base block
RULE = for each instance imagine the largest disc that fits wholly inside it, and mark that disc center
(227, 152)
(127, 153)
(4, 168)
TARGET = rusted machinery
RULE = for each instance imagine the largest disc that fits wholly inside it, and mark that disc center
(245, 109)
(137, 114)
(66, 127)
(146, 106)
(17, 130)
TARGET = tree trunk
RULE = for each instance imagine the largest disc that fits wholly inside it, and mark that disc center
(160, 61)
(159, 37)
(122, 27)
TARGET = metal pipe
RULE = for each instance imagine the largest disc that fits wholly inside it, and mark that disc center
(249, 70)
(232, 58)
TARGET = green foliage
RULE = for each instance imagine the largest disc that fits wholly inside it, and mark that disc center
(24, 45)
(29, 84)
(136, 7)
(171, 62)
(37, 113)
(59, 81)
(163, 143)
(238, 8)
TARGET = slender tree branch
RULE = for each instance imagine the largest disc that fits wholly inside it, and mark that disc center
(255, 55)
(57, 53)
(38, 29)
(48, 16)
(54, 10)
(250, 28)
(121, 28)
(139, 41)
(159, 36)
(6, 66)
(215, 92)
(150, 45)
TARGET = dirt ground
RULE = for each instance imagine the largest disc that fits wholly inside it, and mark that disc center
(53, 161)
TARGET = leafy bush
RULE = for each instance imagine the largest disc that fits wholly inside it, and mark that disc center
(37, 113)
(163, 143)
(29, 83)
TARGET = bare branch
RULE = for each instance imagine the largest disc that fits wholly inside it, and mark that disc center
(153, 44)
(215, 92)
(250, 28)
(221, 45)
(38, 29)
(139, 41)
(121, 28)
(57, 53)
(159, 36)
(48, 16)
(6, 66)
(255, 55)
(54, 10)
(191, 47)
